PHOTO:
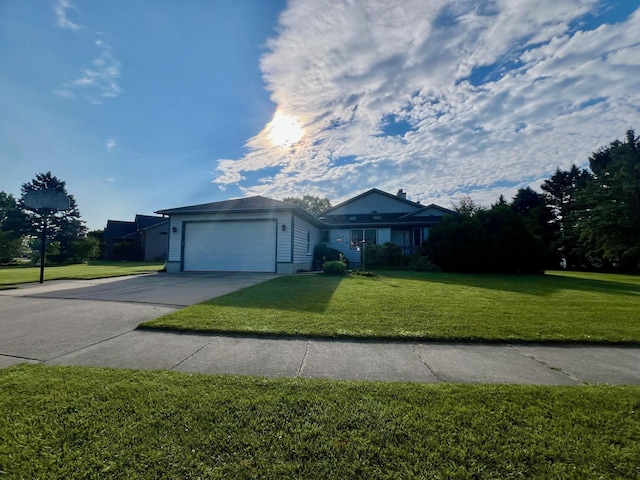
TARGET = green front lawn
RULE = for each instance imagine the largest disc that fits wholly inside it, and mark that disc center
(70, 422)
(83, 271)
(559, 306)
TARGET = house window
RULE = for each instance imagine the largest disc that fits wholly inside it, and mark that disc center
(417, 237)
(324, 236)
(358, 235)
(308, 242)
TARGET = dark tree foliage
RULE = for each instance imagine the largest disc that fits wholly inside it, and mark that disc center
(561, 192)
(13, 224)
(98, 235)
(491, 241)
(63, 227)
(313, 205)
(467, 207)
(13, 221)
(608, 215)
(501, 202)
(538, 217)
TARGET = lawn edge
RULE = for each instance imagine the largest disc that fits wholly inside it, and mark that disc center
(385, 339)
(8, 286)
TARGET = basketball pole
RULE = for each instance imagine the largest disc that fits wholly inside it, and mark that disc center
(43, 245)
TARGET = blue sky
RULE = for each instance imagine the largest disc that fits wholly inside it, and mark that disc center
(147, 105)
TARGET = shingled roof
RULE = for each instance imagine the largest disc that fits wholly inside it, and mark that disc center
(119, 229)
(247, 204)
(147, 221)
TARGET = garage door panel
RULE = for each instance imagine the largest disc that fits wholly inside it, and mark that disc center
(230, 246)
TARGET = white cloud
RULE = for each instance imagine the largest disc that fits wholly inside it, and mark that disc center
(62, 20)
(99, 81)
(549, 96)
(110, 145)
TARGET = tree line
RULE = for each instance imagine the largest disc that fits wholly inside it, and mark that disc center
(67, 240)
(584, 219)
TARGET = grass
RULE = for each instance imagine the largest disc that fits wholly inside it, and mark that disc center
(560, 306)
(96, 269)
(72, 422)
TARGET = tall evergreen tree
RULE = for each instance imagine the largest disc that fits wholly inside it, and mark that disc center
(610, 210)
(561, 192)
(538, 217)
(64, 226)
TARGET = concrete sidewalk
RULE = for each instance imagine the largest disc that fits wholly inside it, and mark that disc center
(94, 324)
(426, 362)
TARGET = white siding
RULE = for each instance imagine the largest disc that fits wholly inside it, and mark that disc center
(284, 239)
(300, 253)
(384, 235)
(340, 240)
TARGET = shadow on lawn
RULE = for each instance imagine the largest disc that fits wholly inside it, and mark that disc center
(538, 285)
(299, 293)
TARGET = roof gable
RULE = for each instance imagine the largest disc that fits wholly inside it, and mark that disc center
(147, 221)
(373, 200)
(429, 211)
(119, 229)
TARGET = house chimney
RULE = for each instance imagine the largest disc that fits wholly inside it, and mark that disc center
(402, 194)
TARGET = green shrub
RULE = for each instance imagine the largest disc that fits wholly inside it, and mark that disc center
(492, 241)
(10, 246)
(323, 253)
(421, 263)
(334, 267)
(386, 255)
(84, 249)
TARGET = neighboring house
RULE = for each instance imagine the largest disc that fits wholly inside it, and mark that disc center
(150, 233)
(377, 217)
(258, 234)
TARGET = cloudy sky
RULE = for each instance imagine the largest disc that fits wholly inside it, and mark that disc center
(146, 105)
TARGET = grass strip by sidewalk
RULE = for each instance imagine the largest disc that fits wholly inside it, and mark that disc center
(83, 271)
(557, 307)
(72, 422)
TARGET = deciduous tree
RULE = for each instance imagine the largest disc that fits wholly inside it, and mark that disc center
(467, 207)
(312, 204)
(13, 224)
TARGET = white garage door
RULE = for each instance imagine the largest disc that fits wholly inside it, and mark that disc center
(242, 246)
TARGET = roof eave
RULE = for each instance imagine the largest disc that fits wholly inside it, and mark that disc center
(188, 211)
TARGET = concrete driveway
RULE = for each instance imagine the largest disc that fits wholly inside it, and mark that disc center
(42, 322)
(94, 322)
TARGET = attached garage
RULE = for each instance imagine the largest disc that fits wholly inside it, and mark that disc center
(230, 246)
(252, 234)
